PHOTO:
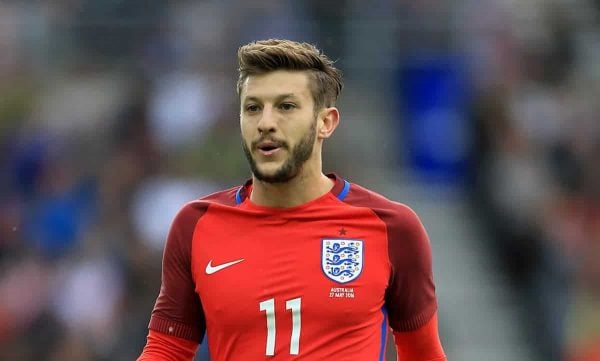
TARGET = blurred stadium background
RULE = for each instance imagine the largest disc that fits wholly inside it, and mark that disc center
(480, 114)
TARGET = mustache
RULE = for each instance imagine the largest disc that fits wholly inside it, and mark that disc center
(275, 142)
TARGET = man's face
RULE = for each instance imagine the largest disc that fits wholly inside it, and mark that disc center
(278, 124)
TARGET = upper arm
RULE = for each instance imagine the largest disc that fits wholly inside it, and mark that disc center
(410, 297)
(178, 310)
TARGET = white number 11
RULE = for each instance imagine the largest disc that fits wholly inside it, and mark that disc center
(269, 307)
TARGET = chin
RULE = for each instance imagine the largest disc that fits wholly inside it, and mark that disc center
(269, 170)
(273, 174)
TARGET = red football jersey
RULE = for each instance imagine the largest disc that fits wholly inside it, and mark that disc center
(320, 281)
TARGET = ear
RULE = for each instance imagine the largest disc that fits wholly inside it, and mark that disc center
(328, 120)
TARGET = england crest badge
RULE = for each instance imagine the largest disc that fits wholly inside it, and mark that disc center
(342, 259)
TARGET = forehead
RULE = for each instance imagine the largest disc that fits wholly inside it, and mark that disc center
(273, 84)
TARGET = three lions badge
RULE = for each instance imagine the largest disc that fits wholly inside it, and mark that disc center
(342, 259)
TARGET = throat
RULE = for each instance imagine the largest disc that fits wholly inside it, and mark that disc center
(293, 193)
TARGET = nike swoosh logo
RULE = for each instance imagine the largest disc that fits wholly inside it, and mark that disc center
(210, 269)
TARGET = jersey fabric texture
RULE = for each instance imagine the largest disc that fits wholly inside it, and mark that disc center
(320, 281)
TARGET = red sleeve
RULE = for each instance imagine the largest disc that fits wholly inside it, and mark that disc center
(422, 344)
(161, 347)
(178, 310)
(410, 298)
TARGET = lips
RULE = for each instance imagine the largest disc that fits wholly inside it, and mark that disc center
(268, 147)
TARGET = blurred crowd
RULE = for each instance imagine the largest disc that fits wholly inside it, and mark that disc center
(115, 113)
(537, 165)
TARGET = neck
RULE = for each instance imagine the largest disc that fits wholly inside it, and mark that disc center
(303, 188)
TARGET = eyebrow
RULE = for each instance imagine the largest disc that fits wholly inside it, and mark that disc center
(277, 99)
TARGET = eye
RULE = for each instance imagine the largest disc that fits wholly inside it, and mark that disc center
(252, 108)
(287, 106)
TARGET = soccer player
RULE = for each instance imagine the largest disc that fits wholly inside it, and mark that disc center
(293, 264)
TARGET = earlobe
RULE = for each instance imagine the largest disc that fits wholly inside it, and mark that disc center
(330, 119)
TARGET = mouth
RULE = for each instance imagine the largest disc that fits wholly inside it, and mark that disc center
(269, 148)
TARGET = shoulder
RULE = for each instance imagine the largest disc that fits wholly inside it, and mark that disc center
(224, 197)
(396, 215)
(407, 238)
(190, 212)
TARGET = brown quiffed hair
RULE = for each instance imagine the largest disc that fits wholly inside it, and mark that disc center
(264, 56)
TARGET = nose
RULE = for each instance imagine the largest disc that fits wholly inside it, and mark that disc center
(267, 122)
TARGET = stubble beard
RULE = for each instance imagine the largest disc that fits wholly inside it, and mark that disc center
(292, 165)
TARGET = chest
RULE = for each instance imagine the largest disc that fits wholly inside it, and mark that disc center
(332, 266)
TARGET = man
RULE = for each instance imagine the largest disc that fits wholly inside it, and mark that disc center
(294, 264)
